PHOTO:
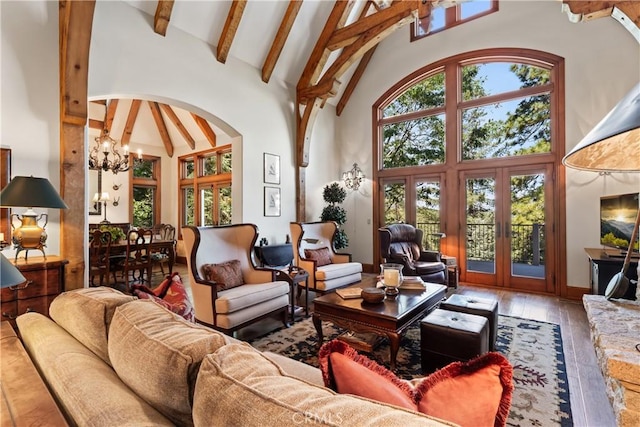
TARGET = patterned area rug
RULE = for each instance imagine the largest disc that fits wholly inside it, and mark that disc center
(541, 395)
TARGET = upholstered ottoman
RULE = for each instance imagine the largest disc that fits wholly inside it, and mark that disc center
(484, 307)
(450, 336)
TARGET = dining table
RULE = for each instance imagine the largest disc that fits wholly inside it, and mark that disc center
(157, 245)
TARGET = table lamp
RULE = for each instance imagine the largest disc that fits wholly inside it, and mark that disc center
(9, 274)
(30, 192)
(613, 146)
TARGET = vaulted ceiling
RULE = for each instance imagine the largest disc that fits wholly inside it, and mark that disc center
(320, 47)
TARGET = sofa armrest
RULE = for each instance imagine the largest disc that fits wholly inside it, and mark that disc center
(430, 256)
(341, 258)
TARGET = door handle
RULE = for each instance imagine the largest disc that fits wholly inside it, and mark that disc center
(498, 230)
(507, 233)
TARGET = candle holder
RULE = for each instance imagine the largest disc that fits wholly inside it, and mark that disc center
(391, 278)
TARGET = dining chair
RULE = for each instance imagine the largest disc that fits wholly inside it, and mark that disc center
(99, 251)
(162, 256)
(137, 263)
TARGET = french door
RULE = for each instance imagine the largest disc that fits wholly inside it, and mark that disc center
(506, 225)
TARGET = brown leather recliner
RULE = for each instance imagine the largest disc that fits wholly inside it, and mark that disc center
(402, 244)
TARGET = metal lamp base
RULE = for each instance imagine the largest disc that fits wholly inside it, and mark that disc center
(29, 236)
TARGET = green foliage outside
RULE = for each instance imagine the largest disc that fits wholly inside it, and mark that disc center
(516, 127)
(143, 201)
(334, 194)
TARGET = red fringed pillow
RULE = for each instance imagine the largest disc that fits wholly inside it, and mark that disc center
(322, 256)
(474, 393)
(171, 294)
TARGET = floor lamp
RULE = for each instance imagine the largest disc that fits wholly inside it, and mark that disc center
(613, 146)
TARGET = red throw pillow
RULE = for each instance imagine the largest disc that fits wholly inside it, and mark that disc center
(473, 393)
(170, 294)
(227, 274)
(322, 256)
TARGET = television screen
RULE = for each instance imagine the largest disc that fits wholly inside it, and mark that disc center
(617, 219)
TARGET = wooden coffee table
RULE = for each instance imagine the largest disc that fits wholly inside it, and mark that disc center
(390, 318)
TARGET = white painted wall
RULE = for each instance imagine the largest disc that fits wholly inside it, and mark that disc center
(602, 63)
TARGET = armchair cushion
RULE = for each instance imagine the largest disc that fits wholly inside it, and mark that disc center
(321, 256)
(226, 274)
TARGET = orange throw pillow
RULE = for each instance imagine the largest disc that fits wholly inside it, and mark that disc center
(474, 393)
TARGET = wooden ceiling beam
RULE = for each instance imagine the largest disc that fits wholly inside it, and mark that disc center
(280, 39)
(206, 129)
(178, 124)
(162, 127)
(131, 120)
(96, 124)
(162, 16)
(590, 10)
(109, 114)
(320, 54)
(230, 28)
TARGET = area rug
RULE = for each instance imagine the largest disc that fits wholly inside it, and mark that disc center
(541, 395)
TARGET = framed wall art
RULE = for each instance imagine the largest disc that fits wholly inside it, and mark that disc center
(271, 201)
(271, 168)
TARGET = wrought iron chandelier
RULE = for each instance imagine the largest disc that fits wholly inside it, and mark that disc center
(112, 161)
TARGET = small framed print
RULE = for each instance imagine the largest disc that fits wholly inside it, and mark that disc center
(271, 168)
(271, 201)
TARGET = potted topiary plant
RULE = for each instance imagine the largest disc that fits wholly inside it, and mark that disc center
(334, 194)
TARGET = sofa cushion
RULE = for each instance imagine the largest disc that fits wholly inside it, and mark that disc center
(158, 353)
(333, 271)
(87, 389)
(235, 299)
(95, 306)
(474, 393)
(338, 282)
(321, 256)
(226, 274)
(259, 393)
(170, 294)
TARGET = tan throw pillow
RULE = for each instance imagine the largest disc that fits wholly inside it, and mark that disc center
(322, 256)
(158, 354)
(227, 274)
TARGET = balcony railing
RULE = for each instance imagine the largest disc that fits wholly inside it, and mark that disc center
(527, 241)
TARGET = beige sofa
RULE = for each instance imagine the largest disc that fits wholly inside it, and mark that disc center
(112, 360)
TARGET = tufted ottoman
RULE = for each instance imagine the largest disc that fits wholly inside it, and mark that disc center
(449, 336)
(487, 308)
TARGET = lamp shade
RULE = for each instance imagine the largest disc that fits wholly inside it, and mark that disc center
(30, 192)
(9, 274)
(614, 144)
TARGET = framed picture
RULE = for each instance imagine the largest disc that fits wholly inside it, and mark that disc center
(271, 201)
(271, 168)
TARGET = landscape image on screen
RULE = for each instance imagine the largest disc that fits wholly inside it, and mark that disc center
(617, 219)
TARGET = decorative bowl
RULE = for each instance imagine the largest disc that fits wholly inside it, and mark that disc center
(372, 295)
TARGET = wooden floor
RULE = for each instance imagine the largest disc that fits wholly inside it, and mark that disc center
(590, 406)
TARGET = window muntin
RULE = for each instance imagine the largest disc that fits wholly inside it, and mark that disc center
(416, 142)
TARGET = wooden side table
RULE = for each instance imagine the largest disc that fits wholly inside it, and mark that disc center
(295, 277)
(452, 270)
(26, 401)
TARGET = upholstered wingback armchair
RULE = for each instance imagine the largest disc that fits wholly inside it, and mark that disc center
(313, 251)
(229, 292)
(402, 244)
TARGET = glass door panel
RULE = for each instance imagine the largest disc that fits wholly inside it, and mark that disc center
(428, 213)
(395, 198)
(206, 206)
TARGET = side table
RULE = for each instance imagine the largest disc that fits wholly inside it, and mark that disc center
(452, 270)
(295, 276)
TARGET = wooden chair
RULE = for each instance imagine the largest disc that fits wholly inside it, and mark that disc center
(137, 260)
(99, 251)
(161, 257)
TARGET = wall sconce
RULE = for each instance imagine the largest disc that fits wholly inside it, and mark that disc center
(353, 178)
(30, 192)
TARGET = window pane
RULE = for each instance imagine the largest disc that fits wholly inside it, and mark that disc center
(143, 203)
(189, 208)
(512, 128)
(225, 205)
(428, 213)
(474, 7)
(427, 94)
(436, 20)
(481, 220)
(209, 165)
(143, 168)
(189, 169)
(414, 142)
(394, 203)
(206, 203)
(226, 162)
(493, 78)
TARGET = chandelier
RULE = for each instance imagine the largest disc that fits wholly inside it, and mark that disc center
(353, 178)
(112, 160)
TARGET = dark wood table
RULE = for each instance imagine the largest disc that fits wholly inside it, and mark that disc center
(390, 318)
(156, 245)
